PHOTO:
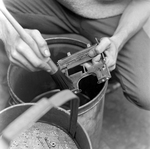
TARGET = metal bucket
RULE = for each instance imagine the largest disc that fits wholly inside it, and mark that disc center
(25, 86)
(62, 128)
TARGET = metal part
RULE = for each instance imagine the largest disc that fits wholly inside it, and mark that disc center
(43, 136)
(73, 67)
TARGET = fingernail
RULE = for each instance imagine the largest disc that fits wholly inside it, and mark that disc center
(49, 70)
(46, 52)
(92, 53)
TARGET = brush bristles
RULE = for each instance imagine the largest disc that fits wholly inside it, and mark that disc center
(63, 81)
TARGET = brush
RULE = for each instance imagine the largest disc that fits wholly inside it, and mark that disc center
(61, 80)
(33, 114)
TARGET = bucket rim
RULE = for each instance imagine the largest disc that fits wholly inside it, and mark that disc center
(69, 40)
(82, 109)
(52, 40)
(94, 101)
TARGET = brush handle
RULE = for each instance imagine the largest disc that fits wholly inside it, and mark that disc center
(53, 66)
(23, 34)
(35, 112)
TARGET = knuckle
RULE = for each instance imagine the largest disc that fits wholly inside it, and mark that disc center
(38, 65)
(35, 32)
(37, 36)
(114, 67)
(43, 44)
(11, 60)
(20, 48)
(13, 54)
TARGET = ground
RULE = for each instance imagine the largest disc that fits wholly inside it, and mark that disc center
(125, 126)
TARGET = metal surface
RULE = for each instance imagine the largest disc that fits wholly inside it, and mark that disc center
(25, 86)
(73, 67)
(43, 136)
(54, 123)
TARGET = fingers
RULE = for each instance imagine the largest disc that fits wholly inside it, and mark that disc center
(32, 57)
(103, 45)
(92, 53)
(96, 59)
(25, 57)
(41, 43)
(87, 65)
(22, 63)
(108, 47)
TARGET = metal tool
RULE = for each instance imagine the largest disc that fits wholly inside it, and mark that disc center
(73, 67)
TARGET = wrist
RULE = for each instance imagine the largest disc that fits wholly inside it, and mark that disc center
(6, 29)
(120, 37)
(119, 42)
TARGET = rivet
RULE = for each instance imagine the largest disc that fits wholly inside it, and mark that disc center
(53, 144)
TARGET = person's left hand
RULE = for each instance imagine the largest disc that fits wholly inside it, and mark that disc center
(106, 45)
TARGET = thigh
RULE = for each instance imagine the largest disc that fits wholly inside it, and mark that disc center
(48, 16)
(133, 69)
(92, 29)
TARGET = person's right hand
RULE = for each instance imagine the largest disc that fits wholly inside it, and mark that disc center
(20, 53)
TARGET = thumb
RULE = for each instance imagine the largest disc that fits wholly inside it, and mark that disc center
(103, 45)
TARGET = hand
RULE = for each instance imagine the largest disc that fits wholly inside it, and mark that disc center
(106, 45)
(21, 54)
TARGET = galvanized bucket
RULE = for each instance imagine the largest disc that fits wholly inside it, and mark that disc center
(25, 86)
(66, 132)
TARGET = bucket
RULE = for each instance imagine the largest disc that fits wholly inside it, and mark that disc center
(25, 86)
(55, 129)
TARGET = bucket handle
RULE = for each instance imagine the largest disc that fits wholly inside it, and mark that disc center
(38, 110)
(74, 104)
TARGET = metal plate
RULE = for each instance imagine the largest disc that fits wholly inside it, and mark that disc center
(43, 136)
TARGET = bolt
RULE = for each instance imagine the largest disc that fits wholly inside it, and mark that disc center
(88, 45)
(53, 144)
(68, 53)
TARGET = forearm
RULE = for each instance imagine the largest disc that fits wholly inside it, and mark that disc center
(2, 26)
(132, 20)
(6, 29)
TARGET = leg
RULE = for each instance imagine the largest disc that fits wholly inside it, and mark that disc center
(48, 16)
(133, 70)
(133, 60)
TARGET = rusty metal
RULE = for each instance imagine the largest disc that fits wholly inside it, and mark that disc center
(78, 59)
